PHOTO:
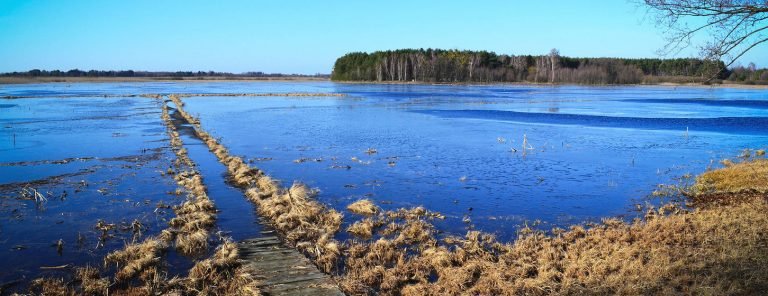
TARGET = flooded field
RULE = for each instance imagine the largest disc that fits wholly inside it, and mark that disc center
(86, 168)
(590, 152)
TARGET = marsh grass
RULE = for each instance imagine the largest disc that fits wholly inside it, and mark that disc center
(686, 253)
(363, 207)
(731, 181)
(138, 261)
(222, 274)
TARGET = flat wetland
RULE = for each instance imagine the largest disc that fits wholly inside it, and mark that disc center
(87, 167)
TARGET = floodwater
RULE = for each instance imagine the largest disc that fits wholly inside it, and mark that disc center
(491, 157)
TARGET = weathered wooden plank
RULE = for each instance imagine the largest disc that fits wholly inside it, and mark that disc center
(266, 255)
(256, 247)
(292, 278)
(272, 240)
(283, 270)
(305, 288)
(276, 264)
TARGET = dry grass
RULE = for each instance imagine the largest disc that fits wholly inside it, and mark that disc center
(137, 260)
(744, 177)
(363, 207)
(364, 228)
(687, 253)
(140, 273)
(222, 274)
(196, 216)
(51, 287)
(91, 281)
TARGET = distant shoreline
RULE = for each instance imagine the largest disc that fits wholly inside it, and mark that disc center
(31, 80)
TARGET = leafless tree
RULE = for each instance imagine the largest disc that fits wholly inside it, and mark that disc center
(554, 57)
(731, 27)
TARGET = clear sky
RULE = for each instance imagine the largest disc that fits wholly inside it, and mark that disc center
(292, 36)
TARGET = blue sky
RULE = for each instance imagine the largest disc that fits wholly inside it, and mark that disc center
(292, 36)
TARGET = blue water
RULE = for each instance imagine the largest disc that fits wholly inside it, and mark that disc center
(592, 151)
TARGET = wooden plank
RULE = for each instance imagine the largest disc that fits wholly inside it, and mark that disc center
(292, 278)
(283, 270)
(276, 264)
(312, 289)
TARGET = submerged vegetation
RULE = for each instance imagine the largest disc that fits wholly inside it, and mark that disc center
(436, 65)
(140, 268)
(697, 248)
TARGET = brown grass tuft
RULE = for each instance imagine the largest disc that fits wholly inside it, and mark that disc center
(363, 228)
(749, 176)
(223, 274)
(91, 282)
(137, 260)
(363, 207)
(50, 287)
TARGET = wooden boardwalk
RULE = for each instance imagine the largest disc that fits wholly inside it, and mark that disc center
(283, 270)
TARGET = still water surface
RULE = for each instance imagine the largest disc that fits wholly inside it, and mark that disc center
(491, 157)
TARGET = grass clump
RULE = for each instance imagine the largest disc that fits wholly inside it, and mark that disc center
(364, 228)
(363, 207)
(91, 282)
(51, 287)
(222, 274)
(140, 260)
(744, 177)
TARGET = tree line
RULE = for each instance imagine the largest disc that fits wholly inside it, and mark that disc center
(749, 75)
(147, 74)
(448, 66)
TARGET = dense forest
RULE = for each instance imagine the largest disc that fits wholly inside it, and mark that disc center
(147, 74)
(447, 66)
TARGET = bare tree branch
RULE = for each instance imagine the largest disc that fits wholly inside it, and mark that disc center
(733, 27)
